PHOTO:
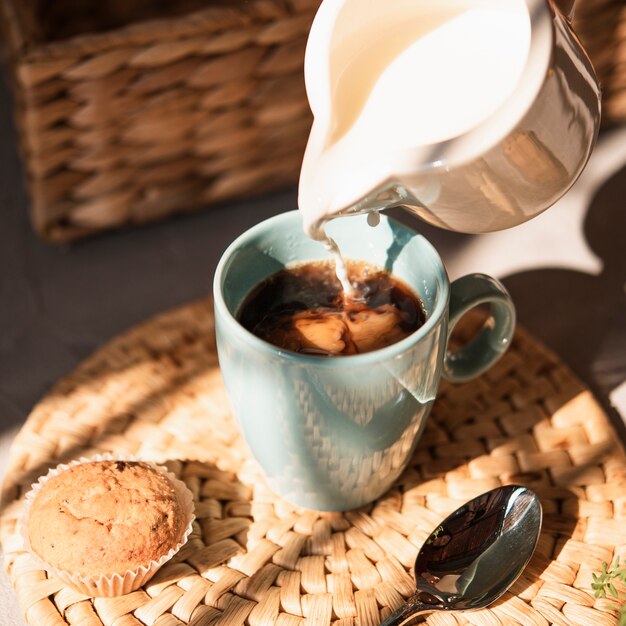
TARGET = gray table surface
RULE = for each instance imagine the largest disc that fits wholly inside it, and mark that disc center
(565, 269)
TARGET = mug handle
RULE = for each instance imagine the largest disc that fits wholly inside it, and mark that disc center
(494, 338)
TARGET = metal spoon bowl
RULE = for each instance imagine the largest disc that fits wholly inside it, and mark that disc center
(475, 554)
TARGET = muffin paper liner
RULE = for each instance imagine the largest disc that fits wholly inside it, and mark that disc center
(119, 583)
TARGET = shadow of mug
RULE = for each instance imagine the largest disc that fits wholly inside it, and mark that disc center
(582, 316)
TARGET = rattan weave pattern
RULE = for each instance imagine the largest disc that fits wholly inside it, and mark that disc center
(158, 116)
(254, 559)
(601, 26)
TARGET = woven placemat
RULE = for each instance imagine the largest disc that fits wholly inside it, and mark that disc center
(254, 559)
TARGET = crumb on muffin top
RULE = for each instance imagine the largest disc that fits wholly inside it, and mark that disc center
(105, 517)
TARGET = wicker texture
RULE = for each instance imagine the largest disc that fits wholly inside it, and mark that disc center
(255, 559)
(601, 26)
(153, 118)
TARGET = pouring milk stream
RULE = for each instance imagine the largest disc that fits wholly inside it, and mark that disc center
(474, 114)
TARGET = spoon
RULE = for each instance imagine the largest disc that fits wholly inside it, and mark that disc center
(475, 554)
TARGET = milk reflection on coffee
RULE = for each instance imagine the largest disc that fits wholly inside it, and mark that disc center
(400, 76)
(303, 309)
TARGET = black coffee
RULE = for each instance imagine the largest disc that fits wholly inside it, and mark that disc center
(303, 309)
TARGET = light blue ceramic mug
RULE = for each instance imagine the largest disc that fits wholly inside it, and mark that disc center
(333, 433)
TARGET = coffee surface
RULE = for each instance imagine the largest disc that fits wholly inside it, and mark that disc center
(303, 309)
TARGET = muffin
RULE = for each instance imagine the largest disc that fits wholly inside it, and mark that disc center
(106, 526)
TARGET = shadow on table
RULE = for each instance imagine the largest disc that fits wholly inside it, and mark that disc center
(582, 317)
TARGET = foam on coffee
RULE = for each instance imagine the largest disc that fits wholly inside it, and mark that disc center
(303, 309)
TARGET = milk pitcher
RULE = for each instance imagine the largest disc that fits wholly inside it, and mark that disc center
(476, 115)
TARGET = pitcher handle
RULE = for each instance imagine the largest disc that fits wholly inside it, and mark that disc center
(493, 339)
(567, 9)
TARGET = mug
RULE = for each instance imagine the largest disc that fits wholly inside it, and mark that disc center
(507, 169)
(334, 433)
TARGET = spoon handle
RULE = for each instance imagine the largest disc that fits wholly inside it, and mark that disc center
(410, 609)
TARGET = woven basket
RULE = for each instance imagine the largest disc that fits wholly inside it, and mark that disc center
(125, 117)
(601, 26)
(154, 115)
